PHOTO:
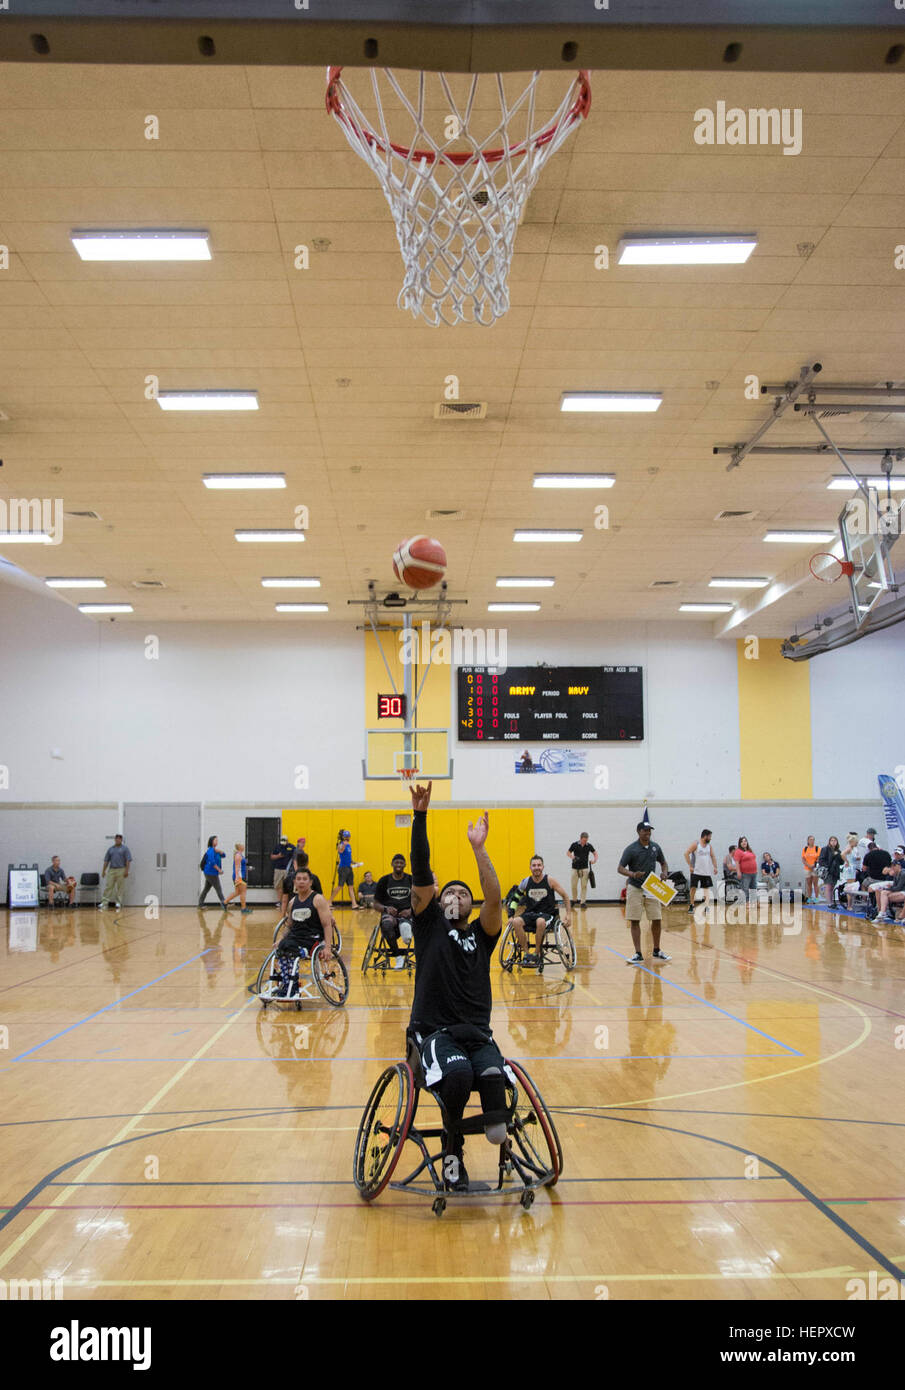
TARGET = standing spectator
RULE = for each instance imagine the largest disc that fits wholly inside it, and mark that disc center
(240, 882)
(638, 860)
(281, 859)
(746, 860)
(344, 875)
(809, 856)
(212, 868)
(829, 867)
(701, 862)
(57, 882)
(299, 854)
(115, 872)
(769, 870)
(852, 856)
(580, 852)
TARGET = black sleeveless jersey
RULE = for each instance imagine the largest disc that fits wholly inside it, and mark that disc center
(304, 922)
(539, 897)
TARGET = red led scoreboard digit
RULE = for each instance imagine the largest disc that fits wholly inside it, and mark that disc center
(390, 706)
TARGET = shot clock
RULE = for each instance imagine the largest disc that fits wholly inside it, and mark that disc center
(391, 706)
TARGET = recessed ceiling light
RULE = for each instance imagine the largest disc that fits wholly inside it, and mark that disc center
(25, 538)
(513, 607)
(75, 583)
(244, 480)
(610, 400)
(728, 583)
(513, 582)
(706, 607)
(291, 583)
(547, 535)
(842, 483)
(142, 246)
(207, 400)
(283, 536)
(106, 608)
(573, 480)
(682, 250)
(799, 537)
(301, 608)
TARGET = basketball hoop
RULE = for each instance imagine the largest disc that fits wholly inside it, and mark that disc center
(407, 773)
(456, 210)
(827, 567)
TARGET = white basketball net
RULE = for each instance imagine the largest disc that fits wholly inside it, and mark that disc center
(457, 199)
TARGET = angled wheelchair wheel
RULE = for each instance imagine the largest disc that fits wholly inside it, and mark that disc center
(337, 938)
(371, 947)
(331, 978)
(267, 974)
(565, 945)
(508, 948)
(383, 1130)
(533, 1131)
(280, 930)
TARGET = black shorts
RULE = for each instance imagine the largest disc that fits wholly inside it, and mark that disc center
(442, 1054)
(294, 943)
(530, 919)
(344, 876)
(701, 881)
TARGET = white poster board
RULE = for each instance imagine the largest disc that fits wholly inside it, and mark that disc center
(22, 888)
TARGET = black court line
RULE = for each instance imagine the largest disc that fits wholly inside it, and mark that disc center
(147, 1136)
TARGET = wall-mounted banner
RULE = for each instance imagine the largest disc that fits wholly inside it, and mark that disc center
(552, 760)
(893, 809)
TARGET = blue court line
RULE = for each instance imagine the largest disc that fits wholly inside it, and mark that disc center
(114, 1005)
(666, 981)
(523, 1057)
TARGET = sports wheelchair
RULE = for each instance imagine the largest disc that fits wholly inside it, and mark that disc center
(331, 980)
(558, 946)
(379, 954)
(532, 1151)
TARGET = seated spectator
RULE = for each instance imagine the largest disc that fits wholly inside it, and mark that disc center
(366, 890)
(769, 870)
(894, 892)
(874, 862)
(58, 882)
(809, 856)
(829, 867)
(730, 868)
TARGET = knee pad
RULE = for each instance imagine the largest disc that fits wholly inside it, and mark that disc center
(496, 1133)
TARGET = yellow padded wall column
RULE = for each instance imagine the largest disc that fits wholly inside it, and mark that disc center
(774, 723)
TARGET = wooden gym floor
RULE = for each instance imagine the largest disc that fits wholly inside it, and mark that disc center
(732, 1123)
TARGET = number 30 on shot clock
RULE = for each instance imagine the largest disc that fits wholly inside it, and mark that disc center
(391, 706)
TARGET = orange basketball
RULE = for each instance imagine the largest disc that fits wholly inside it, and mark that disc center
(419, 562)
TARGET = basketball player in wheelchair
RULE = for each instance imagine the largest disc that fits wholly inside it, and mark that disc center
(533, 909)
(310, 922)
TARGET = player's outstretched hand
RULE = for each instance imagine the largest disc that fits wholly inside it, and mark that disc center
(421, 797)
(477, 834)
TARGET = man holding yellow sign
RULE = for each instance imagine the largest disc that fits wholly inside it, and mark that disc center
(638, 865)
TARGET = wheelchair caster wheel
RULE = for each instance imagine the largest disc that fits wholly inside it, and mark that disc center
(527, 1199)
(439, 1206)
(298, 1006)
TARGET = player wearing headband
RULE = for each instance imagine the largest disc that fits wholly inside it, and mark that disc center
(451, 1010)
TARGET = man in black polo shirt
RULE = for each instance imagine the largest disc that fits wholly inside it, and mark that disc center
(451, 1010)
(638, 860)
(281, 858)
(393, 896)
(580, 852)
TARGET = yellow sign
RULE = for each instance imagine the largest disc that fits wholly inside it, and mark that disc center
(656, 888)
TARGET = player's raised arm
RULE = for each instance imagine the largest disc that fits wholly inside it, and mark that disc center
(422, 877)
(491, 915)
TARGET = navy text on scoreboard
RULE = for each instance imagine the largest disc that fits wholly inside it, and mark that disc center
(552, 704)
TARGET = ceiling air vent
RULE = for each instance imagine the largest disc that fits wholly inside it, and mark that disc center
(84, 516)
(460, 410)
(663, 584)
(734, 516)
(441, 514)
(148, 584)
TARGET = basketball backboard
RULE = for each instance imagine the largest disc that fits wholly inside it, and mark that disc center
(390, 751)
(866, 543)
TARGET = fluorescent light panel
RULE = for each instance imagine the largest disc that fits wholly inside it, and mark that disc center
(552, 536)
(207, 400)
(244, 480)
(275, 536)
(513, 582)
(843, 483)
(610, 400)
(799, 537)
(142, 246)
(301, 608)
(706, 607)
(513, 607)
(106, 608)
(291, 583)
(727, 583)
(685, 250)
(573, 480)
(76, 583)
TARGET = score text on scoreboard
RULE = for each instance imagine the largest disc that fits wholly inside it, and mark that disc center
(551, 704)
(391, 706)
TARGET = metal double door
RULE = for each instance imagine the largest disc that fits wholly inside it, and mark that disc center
(165, 840)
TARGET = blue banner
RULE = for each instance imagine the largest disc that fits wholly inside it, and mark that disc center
(893, 809)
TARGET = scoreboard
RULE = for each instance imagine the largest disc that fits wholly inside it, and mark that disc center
(551, 704)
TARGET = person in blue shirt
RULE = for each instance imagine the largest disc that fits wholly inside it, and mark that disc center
(344, 868)
(212, 868)
(769, 870)
(240, 884)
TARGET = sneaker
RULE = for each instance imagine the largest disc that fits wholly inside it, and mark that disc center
(661, 955)
(691, 907)
(399, 963)
(455, 1174)
(884, 917)
(529, 961)
(244, 910)
(636, 959)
